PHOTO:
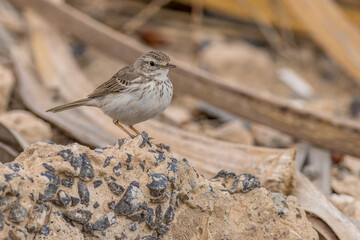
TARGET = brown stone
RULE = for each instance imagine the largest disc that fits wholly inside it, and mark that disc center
(163, 197)
(27, 125)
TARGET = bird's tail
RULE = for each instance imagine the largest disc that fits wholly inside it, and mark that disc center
(78, 103)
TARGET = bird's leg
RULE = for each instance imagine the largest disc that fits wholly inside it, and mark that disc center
(124, 129)
(135, 131)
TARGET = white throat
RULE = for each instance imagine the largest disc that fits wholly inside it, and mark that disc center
(161, 74)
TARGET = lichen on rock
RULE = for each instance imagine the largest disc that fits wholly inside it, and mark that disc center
(135, 190)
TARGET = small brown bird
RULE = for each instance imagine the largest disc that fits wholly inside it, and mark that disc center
(134, 94)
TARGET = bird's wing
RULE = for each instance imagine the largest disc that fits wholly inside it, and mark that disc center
(116, 83)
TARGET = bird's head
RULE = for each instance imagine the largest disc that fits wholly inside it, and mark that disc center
(153, 63)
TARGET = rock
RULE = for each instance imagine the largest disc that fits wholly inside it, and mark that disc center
(159, 197)
(350, 206)
(268, 137)
(277, 173)
(232, 131)
(158, 185)
(132, 201)
(115, 188)
(17, 213)
(79, 216)
(346, 184)
(236, 59)
(28, 126)
(244, 183)
(84, 193)
(6, 86)
(352, 164)
(63, 198)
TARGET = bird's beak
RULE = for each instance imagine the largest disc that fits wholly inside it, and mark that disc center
(167, 66)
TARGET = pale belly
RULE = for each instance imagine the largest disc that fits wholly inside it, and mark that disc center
(135, 107)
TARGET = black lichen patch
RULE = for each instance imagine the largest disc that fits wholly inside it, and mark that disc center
(79, 216)
(75, 162)
(173, 197)
(225, 174)
(172, 172)
(129, 203)
(284, 203)
(100, 150)
(63, 198)
(97, 183)
(137, 217)
(142, 166)
(29, 229)
(149, 218)
(83, 193)
(145, 140)
(45, 230)
(155, 221)
(132, 227)
(121, 142)
(74, 201)
(17, 233)
(104, 222)
(158, 185)
(166, 147)
(161, 199)
(115, 188)
(79, 162)
(107, 161)
(86, 170)
(160, 158)
(158, 215)
(66, 154)
(48, 167)
(162, 230)
(14, 166)
(169, 214)
(128, 159)
(3, 186)
(116, 169)
(154, 236)
(244, 183)
(9, 177)
(56, 202)
(1, 221)
(111, 205)
(17, 213)
(52, 186)
(67, 182)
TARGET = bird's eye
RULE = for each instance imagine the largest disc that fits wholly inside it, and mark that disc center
(152, 63)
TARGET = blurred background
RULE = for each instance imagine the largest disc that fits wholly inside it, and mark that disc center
(301, 58)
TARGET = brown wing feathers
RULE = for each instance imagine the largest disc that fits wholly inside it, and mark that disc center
(115, 84)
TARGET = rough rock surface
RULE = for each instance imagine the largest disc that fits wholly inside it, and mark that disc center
(27, 125)
(133, 190)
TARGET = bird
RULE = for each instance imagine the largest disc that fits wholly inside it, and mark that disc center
(134, 94)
